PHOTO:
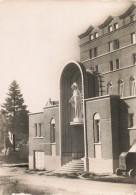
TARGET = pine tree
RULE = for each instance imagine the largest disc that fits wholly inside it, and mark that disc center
(1, 132)
(15, 114)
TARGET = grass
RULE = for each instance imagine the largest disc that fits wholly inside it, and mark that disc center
(96, 177)
(10, 186)
(86, 176)
(109, 178)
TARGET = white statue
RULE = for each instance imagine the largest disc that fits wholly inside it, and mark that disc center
(76, 101)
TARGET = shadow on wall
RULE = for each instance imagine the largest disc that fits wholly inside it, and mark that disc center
(124, 137)
(93, 84)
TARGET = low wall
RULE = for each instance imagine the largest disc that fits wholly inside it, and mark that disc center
(102, 165)
(52, 162)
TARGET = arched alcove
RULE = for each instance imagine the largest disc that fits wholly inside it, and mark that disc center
(72, 137)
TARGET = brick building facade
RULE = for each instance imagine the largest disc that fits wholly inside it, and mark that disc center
(106, 78)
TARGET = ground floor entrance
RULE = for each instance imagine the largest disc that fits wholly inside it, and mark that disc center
(77, 141)
(39, 160)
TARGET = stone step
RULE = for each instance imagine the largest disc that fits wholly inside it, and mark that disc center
(77, 163)
(71, 171)
(74, 166)
(78, 166)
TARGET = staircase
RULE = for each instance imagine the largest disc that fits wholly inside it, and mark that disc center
(74, 166)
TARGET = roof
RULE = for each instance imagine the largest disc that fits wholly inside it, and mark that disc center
(128, 12)
(108, 20)
(51, 103)
(35, 113)
(87, 32)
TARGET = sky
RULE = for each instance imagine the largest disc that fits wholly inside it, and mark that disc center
(38, 38)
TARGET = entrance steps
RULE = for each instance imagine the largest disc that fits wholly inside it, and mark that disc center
(74, 166)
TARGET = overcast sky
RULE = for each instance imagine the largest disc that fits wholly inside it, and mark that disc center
(38, 37)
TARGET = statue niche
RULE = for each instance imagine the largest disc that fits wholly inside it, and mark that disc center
(76, 102)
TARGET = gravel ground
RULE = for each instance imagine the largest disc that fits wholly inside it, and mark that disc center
(20, 180)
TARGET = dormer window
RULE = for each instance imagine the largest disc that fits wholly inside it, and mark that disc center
(110, 28)
(116, 26)
(96, 35)
(132, 18)
(91, 37)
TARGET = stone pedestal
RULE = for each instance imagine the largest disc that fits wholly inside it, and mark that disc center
(77, 121)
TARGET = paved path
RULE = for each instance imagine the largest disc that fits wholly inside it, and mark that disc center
(70, 186)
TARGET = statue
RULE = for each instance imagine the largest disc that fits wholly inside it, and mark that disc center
(76, 101)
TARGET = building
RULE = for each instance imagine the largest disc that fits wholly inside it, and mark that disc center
(106, 79)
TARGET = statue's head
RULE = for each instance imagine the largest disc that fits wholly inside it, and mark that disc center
(74, 86)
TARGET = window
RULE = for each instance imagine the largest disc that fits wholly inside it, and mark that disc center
(111, 65)
(109, 88)
(96, 128)
(52, 131)
(130, 120)
(96, 68)
(40, 130)
(120, 87)
(95, 52)
(116, 26)
(132, 86)
(134, 58)
(96, 35)
(117, 64)
(132, 18)
(91, 53)
(116, 44)
(91, 37)
(110, 28)
(133, 38)
(97, 136)
(35, 128)
(110, 46)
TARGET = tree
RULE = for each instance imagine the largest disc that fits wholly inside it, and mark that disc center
(1, 132)
(15, 115)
